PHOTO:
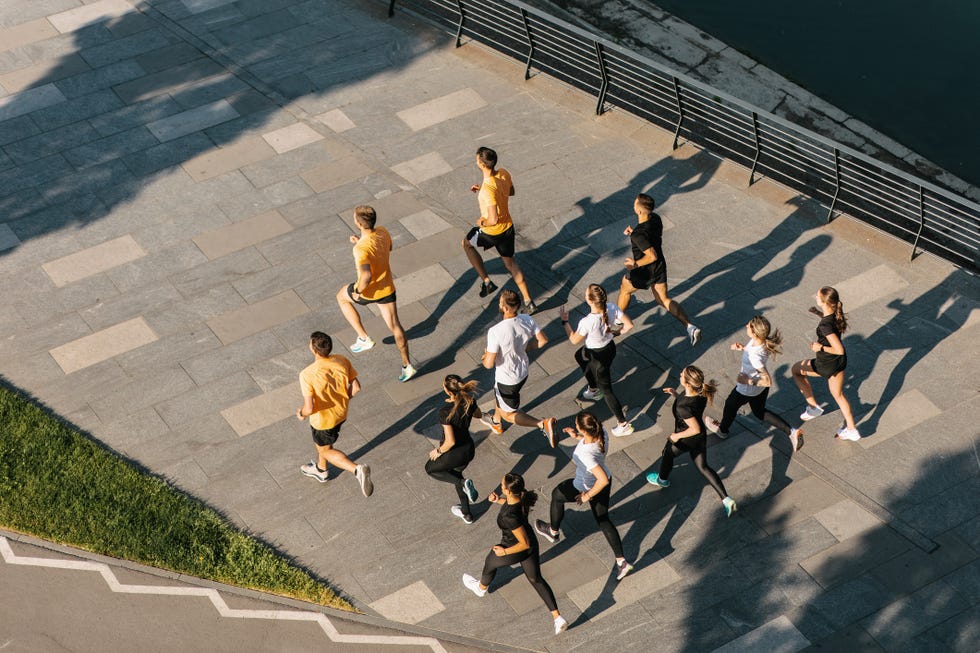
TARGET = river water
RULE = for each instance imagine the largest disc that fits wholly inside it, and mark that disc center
(909, 69)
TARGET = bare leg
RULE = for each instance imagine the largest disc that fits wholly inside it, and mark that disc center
(674, 308)
(389, 312)
(326, 454)
(836, 386)
(801, 371)
(519, 418)
(475, 260)
(626, 291)
(347, 308)
(518, 275)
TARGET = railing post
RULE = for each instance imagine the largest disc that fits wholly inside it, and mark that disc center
(530, 45)
(391, 8)
(922, 222)
(459, 28)
(830, 214)
(680, 111)
(755, 130)
(605, 79)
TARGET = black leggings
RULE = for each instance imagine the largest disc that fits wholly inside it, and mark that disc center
(596, 363)
(566, 493)
(449, 467)
(699, 454)
(758, 405)
(530, 563)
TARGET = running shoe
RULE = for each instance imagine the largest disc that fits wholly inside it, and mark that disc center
(487, 288)
(407, 372)
(310, 470)
(474, 585)
(622, 429)
(543, 529)
(796, 439)
(363, 475)
(714, 426)
(496, 427)
(530, 308)
(470, 490)
(623, 568)
(458, 511)
(593, 395)
(811, 412)
(849, 434)
(548, 426)
(730, 506)
(694, 333)
(653, 478)
(361, 344)
(560, 625)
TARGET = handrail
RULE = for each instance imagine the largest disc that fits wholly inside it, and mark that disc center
(785, 158)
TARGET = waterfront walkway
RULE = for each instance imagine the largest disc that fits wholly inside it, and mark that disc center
(176, 185)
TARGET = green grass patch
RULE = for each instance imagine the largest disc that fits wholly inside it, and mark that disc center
(60, 485)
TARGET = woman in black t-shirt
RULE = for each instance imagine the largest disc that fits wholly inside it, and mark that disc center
(689, 434)
(830, 362)
(448, 460)
(518, 544)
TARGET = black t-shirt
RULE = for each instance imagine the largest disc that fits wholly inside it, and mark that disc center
(460, 424)
(827, 326)
(685, 407)
(646, 235)
(511, 517)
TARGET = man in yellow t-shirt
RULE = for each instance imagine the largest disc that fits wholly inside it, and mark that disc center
(495, 228)
(375, 285)
(327, 385)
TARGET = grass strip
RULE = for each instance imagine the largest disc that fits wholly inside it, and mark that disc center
(58, 484)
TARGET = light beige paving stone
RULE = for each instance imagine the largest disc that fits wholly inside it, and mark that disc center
(39, 97)
(907, 410)
(103, 345)
(777, 636)
(239, 235)
(264, 410)
(409, 605)
(71, 20)
(390, 208)
(26, 33)
(93, 260)
(846, 519)
(869, 286)
(8, 238)
(423, 253)
(441, 109)
(235, 325)
(336, 173)
(424, 224)
(291, 137)
(225, 159)
(192, 120)
(336, 120)
(562, 572)
(422, 283)
(639, 584)
(419, 169)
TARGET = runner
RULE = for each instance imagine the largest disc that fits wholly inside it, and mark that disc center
(690, 401)
(592, 483)
(647, 268)
(603, 323)
(517, 545)
(508, 342)
(494, 228)
(375, 285)
(830, 362)
(753, 382)
(456, 450)
(327, 385)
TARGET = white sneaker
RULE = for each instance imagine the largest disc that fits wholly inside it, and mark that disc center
(811, 412)
(474, 585)
(849, 434)
(560, 625)
(310, 470)
(694, 333)
(363, 475)
(407, 372)
(592, 395)
(714, 426)
(457, 510)
(796, 439)
(361, 345)
(622, 429)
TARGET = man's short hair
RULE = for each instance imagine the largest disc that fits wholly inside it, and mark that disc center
(487, 157)
(511, 299)
(646, 202)
(365, 216)
(321, 343)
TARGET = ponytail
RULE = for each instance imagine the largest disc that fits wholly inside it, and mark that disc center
(589, 424)
(762, 330)
(832, 299)
(514, 483)
(462, 394)
(695, 378)
(596, 294)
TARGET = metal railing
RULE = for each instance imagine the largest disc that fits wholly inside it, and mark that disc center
(931, 218)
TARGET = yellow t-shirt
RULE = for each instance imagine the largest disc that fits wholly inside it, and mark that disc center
(328, 380)
(374, 250)
(495, 191)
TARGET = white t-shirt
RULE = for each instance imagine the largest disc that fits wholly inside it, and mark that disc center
(586, 457)
(508, 340)
(754, 358)
(591, 327)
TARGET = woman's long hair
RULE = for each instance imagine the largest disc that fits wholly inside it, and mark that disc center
(462, 394)
(762, 330)
(514, 483)
(830, 297)
(588, 423)
(695, 378)
(596, 294)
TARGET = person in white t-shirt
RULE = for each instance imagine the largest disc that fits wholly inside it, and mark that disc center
(592, 483)
(604, 322)
(753, 382)
(508, 342)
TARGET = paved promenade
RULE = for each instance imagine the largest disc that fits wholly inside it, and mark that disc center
(177, 179)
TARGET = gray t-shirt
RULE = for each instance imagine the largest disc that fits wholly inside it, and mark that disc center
(587, 457)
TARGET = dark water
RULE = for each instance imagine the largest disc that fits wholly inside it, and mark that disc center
(909, 69)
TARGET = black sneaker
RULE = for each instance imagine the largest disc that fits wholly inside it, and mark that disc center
(544, 530)
(487, 288)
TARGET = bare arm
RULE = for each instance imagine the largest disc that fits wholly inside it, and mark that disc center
(522, 543)
(692, 429)
(448, 443)
(540, 340)
(355, 387)
(492, 217)
(649, 256)
(306, 409)
(836, 347)
(601, 481)
(489, 359)
(363, 278)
